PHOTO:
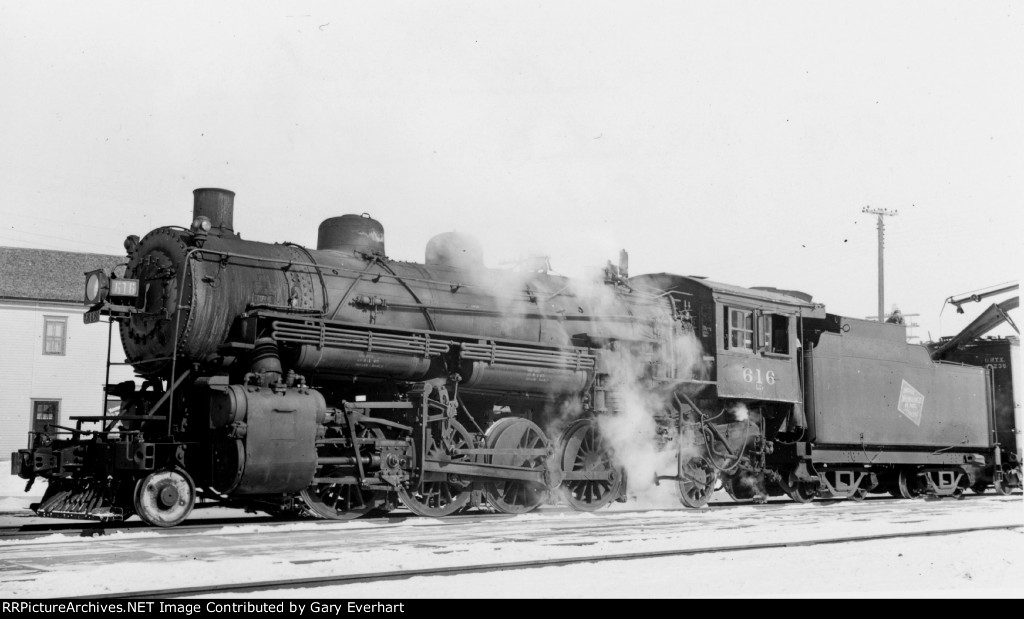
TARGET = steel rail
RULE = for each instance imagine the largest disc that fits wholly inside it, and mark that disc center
(98, 529)
(345, 579)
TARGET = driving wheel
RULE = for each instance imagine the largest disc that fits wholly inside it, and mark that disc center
(335, 493)
(591, 480)
(439, 494)
(515, 496)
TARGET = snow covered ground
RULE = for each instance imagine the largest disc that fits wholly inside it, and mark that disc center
(978, 564)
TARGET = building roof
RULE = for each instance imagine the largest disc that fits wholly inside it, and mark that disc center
(48, 275)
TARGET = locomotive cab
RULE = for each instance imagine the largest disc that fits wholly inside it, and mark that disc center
(753, 339)
(752, 407)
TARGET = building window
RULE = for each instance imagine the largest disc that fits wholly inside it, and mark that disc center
(741, 329)
(45, 413)
(55, 334)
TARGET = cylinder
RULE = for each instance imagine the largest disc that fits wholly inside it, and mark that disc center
(271, 447)
(351, 234)
(217, 205)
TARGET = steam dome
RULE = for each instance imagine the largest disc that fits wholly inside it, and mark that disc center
(455, 250)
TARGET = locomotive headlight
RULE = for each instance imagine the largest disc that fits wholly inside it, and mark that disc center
(97, 285)
(201, 225)
(200, 230)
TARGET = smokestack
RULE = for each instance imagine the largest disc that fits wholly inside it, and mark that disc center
(218, 205)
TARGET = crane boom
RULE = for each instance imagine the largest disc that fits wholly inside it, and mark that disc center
(991, 318)
(978, 297)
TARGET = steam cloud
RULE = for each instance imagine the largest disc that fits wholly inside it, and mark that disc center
(630, 427)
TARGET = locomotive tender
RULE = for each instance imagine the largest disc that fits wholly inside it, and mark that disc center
(339, 382)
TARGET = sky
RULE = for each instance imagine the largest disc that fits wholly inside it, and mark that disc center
(735, 140)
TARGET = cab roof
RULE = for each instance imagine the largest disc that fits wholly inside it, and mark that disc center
(672, 282)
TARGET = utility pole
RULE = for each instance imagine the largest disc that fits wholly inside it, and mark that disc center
(881, 212)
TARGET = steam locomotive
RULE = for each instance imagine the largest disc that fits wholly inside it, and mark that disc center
(338, 382)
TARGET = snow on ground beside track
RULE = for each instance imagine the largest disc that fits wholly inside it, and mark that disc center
(984, 563)
(917, 568)
(10, 504)
(978, 564)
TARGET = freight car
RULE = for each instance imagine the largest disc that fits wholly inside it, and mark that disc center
(338, 382)
(1001, 356)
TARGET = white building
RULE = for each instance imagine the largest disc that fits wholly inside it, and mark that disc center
(52, 365)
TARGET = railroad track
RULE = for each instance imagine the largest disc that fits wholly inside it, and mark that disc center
(381, 576)
(35, 531)
(98, 529)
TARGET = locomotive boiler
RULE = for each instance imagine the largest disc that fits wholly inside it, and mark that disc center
(338, 381)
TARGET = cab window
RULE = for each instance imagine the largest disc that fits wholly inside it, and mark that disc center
(739, 329)
(773, 331)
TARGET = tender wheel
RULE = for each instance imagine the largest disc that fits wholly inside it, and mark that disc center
(165, 498)
(438, 494)
(979, 487)
(697, 482)
(859, 494)
(799, 491)
(591, 480)
(513, 496)
(910, 485)
(342, 500)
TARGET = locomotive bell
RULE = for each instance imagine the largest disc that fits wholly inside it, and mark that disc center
(351, 233)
